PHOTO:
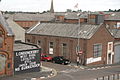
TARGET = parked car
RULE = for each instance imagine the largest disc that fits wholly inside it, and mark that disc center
(45, 57)
(60, 60)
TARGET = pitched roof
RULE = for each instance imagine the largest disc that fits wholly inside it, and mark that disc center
(17, 29)
(71, 15)
(33, 17)
(64, 30)
(114, 16)
(115, 33)
(46, 16)
(5, 25)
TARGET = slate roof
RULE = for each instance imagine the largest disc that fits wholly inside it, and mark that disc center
(114, 16)
(60, 13)
(64, 30)
(33, 17)
(5, 25)
(75, 15)
(72, 15)
(115, 33)
(46, 16)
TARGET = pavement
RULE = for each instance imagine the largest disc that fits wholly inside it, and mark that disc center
(94, 67)
(44, 73)
(49, 72)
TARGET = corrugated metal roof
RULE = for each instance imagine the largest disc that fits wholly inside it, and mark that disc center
(65, 30)
(114, 16)
(5, 25)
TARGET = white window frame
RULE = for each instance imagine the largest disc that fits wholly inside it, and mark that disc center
(51, 48)
(118, 24)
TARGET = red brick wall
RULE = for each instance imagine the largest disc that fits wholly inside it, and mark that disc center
(82, 20)
(7, 50)
(102, 36)
(71, 45)
(111, 23)
(26, 24)
(59, 18)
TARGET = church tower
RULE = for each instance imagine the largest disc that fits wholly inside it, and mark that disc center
(52, 8)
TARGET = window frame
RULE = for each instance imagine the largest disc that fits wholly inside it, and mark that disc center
(97, 50)
(51, 48)
(64, 49)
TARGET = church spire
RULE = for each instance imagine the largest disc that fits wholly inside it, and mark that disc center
(52, 8)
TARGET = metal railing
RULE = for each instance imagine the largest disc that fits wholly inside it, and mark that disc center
(110, 77)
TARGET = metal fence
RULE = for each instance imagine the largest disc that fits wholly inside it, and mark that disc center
(110, 77)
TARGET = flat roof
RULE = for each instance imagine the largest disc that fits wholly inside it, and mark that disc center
(18, 46)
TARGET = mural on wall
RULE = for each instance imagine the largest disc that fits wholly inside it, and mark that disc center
(26, 61)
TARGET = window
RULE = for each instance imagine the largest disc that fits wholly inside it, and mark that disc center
(1, 42)
(1, 39)
(28, 40)
(97, 50)
(38, 42)
(9, 65)
(118, 25)
(51, 45)
(64, 50)
(2, 62)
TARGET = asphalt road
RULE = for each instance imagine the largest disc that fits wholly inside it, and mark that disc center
(65, 72)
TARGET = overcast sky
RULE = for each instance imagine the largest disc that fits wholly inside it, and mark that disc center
(59, 5)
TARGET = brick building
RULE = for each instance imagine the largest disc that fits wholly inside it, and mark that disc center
(61, 39)
(28, 20)
(71, 17)
(6, 48)
(113, 21)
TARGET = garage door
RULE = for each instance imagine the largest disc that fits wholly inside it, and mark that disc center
(117, 54)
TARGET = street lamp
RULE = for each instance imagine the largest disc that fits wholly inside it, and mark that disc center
(78, 52)
(78, 33)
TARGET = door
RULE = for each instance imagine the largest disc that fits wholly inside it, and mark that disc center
(117, 54)
(2, 64)
(109, 58)
(110, 53)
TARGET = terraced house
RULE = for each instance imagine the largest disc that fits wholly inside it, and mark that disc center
(62, 39)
